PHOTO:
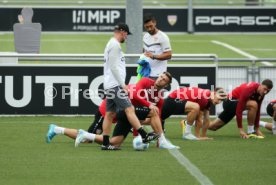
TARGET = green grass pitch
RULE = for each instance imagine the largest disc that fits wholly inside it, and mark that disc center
(260, 45)
(25, 158)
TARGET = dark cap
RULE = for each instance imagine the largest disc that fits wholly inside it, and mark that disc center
(122, 27)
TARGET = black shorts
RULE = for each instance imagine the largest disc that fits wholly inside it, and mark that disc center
(229, 110)
(97, 123)
(173, 106)
(269, 108)
(123, 126)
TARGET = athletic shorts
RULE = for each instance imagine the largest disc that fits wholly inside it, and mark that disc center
(97, 123)
(173, 106)
(229, 110)
(269, 108)
(123, 126)
(116, 99)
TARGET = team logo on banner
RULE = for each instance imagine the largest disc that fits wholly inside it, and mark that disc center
(172, 19)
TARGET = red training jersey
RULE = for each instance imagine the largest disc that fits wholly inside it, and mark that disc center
(243, 93)
(141, 94)
(144, 94)
(193, 94)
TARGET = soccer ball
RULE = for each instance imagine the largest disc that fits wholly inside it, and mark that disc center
(139, 145)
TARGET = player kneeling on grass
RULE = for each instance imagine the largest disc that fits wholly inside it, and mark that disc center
(247, 96)
(146, 96)
(271, 111)
(123, 127)
(195, 102)
(95, 128)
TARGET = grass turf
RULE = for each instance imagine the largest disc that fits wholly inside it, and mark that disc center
(25, 158)
(184, 44)
(262, 46)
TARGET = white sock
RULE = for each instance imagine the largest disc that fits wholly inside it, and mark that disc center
(90, 136)
(250, 129)
(188, 128)
(59, 130)
(273, 124)
(262, 123)
(162, 138)
(274, 127)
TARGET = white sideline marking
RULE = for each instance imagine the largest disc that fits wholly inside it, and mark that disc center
(192, 169)
(267, 63)
(237, 50)
(259, 49)
(184, 40)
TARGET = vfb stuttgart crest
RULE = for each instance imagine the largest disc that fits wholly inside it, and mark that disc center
(172, 19)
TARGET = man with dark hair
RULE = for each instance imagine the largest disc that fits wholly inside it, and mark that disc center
(247, 96)
(157, 47)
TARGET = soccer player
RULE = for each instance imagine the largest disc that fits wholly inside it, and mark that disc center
(192, 100)
(157, 47)
(116, 89)
(247, 96)
(271, 111)
(146, 96)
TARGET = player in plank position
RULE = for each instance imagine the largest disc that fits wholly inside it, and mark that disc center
(195, 102)
(247, 96)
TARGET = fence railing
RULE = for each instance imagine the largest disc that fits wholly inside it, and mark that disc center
(252, 70)
(230, 72)
(100, 57)
(97, 57)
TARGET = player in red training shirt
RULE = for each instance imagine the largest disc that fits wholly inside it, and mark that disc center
(146, 96)
(247, 96)
(195, 102)
(271, 111)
